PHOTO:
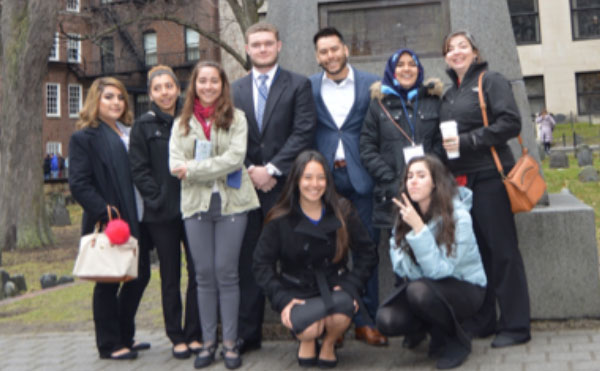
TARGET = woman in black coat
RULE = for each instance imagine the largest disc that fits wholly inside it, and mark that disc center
(403, 112)
(99, 176)
(493, 220)
(308, 233)
(161, 192)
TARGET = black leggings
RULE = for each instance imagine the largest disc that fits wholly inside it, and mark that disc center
(313, 309)
(419, 307)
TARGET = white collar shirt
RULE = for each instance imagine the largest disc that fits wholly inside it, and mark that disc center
(339, 99)
(256, 83)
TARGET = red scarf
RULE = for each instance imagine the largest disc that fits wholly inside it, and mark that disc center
(202, 113)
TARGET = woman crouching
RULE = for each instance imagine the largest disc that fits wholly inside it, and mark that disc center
(434, 250)
(308, 233)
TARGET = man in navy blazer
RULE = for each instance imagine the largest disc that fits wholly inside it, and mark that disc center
(342, 98)
(281, 119)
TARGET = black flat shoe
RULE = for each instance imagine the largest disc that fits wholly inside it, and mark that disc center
(310, 361)
(140, 346)
(505, 339)
(182, 354)
(132, 354)
(231, 362)
(452, 355)
(325, 363)
(205, 360)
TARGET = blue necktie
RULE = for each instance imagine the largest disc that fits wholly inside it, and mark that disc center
(262, 100)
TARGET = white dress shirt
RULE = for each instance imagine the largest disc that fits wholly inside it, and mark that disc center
(338, 99)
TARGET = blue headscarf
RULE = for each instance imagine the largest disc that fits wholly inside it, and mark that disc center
(390, 85)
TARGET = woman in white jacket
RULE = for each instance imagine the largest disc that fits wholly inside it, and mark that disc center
(434, 251)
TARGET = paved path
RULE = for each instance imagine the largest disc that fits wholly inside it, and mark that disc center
(564, 350)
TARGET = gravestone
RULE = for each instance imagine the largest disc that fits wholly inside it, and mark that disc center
(10, 289)
(59, 215)
(559, 160)
(48, 280)
(588, 174)
(584, 155)
(19, 281)
(374, 30)
(64, 280)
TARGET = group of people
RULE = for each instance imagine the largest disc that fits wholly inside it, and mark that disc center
(55, 166)
(275, 183)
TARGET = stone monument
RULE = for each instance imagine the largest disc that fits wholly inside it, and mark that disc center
(557, 239)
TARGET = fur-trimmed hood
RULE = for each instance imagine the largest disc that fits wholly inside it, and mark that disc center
(435, 87)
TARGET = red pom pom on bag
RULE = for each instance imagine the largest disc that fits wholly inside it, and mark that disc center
(117, 231)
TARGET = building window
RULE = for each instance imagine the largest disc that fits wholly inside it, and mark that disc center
(73, 5)
(150, 48)
(107, 55)
(74, 48)
(525, 19)
(192, 45)
(54, 147)
(74, 100)
(52, 100)
(377, 28)
(54, 52)
(585, 19)
(588, 92)
(142, 104)
(534, 86)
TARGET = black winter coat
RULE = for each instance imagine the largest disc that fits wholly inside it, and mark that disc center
(302, 251)
(461, 103)
(97, 157)
(382, 143)
(149, 160)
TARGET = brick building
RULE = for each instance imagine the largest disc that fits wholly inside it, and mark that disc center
(128, 54)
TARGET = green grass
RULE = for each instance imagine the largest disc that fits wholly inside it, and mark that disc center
(589, 133)
(589, 193)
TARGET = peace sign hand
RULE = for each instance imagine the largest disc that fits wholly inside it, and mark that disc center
(408, 213)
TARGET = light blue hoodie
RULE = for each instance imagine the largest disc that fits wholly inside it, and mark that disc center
(464, 263)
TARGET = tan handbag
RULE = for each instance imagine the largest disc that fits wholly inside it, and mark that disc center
(100, 261)
(524, 183)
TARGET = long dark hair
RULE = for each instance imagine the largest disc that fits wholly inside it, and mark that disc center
(444, 190)
(290, 197)
(223, 106)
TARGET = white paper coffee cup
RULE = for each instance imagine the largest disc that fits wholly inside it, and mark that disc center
(449, 129)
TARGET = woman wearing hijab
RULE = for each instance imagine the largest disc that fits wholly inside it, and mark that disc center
(402, 122)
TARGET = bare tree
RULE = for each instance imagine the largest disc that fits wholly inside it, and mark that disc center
(111, 18)
(26, 33)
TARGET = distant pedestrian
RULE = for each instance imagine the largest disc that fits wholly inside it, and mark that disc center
(47, 166)
(54, 166)
(546, 127)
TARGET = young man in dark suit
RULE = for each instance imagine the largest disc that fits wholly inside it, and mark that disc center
(342, 98)
(281, 118)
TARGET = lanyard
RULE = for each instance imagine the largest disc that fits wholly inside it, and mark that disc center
(415, 113)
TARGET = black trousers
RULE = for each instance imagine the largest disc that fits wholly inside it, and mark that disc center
(252, 298)
(436, 306)
(167, 238)
(114, 305)
(494, 226)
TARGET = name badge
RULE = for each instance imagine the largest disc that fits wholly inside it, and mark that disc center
(413, 151)
(202, 150)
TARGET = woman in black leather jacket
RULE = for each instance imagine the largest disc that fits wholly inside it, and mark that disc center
(309, 233)
(149, 159)
(391, 125)
(493, 220)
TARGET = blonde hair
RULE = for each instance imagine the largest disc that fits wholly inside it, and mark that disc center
(88, 116)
